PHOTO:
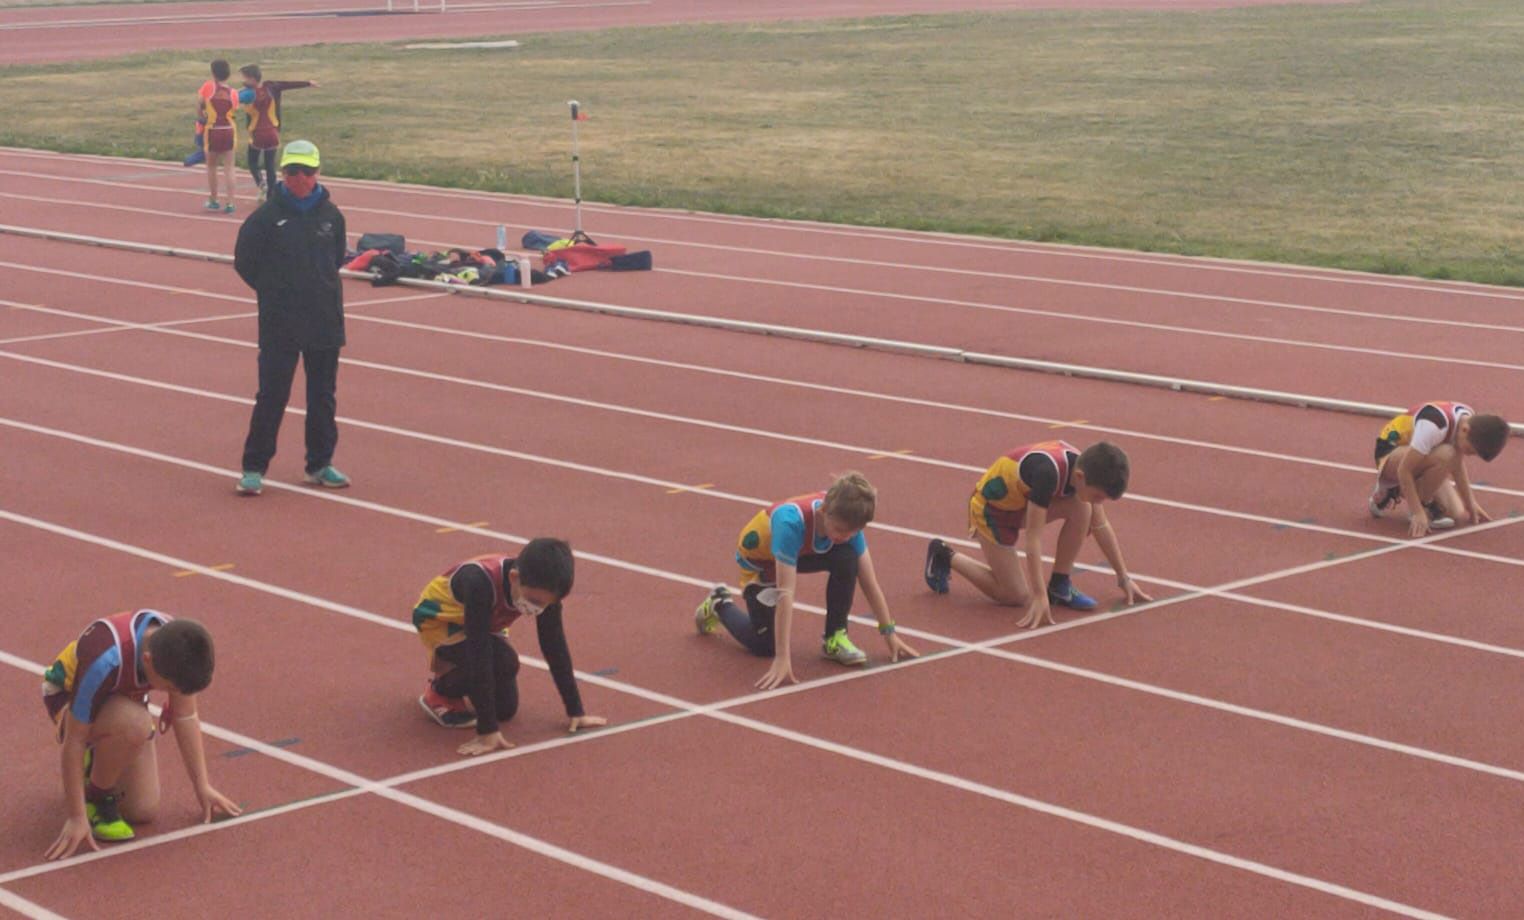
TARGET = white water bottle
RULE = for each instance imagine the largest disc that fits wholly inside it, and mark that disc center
(502, 238)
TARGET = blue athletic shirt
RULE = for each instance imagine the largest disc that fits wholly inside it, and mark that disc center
(788, 536)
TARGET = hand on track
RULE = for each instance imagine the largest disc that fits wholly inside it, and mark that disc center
(898, 648)
(214, 803)
(75, 831)
(1134, 593)
(782, 670)
(485, 744)
(580, 722)
(1039, 612)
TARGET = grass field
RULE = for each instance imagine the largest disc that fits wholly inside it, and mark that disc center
(1383, 136)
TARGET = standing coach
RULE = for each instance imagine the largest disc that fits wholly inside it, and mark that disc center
(289, 251)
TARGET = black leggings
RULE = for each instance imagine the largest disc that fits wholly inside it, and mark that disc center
(458, 682)
(263, 161)
(753, 627)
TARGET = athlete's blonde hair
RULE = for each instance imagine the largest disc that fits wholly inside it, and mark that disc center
(851, 500)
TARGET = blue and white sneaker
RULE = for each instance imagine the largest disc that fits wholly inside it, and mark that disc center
(1071, 597)
(251, 483)
(328, 477)
(938, 566)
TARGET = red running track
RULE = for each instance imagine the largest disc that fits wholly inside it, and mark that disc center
(34, 35)
(1329, 334)
(1294, 745)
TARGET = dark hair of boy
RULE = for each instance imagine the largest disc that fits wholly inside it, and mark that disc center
(252, 71)
(547, 564)
(182, 654)
(1488, 434)
(1105, 466)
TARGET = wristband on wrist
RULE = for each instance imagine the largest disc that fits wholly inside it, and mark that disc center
(886, 629)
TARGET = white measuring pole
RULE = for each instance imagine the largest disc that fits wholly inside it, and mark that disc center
(576, 112)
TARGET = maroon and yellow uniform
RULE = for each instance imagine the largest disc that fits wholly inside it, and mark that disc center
(106, 660)
(1035, 474)
(221, 133)
(440, 617)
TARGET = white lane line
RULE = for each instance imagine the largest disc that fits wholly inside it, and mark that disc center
(956, 644)
(1283, 271)
(27, 908)
(703, 423)
(806, 385)
(399, 299)
(125, 282)
(673, 702)
(767, 728)
(452, 766)
(446, 813)
(1192, 590)
(1068, 316)
(1178, 384)
(862, 292)
(116, 326)
(1364, 470)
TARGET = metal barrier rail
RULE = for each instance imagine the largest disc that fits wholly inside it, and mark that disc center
(519, 295)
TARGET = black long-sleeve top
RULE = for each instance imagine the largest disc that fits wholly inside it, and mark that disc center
(474, 589)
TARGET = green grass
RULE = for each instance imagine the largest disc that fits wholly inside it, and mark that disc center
(1385, 136)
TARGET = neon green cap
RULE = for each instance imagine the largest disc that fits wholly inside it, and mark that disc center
(300, 153)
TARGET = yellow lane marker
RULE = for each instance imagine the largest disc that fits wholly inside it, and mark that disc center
(1215, 398)
(215, 568)
(454, 529)
(1078, 421)
(698, 488)
(892, 453)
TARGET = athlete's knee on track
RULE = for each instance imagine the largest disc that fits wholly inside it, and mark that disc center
(140, 809)
(123, 719)
(1012, 596)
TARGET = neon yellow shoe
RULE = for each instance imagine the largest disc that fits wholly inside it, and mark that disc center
(705, 619)
(840, 649)
(106, 821)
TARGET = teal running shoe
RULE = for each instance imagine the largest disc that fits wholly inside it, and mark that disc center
(251, 483)
(328, 477)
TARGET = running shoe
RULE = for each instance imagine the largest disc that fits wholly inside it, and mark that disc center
(938, 566)
(840, 649)
(706, 618)
(212, 205)
(1438, 519)
(106, 821)
(328, 477)
(1384, 499)
(1071, 597)
(251, 483)
(445, 711)
(228, 208)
